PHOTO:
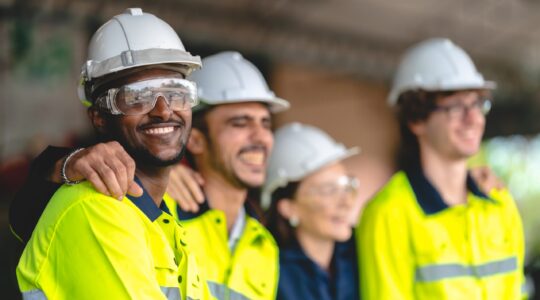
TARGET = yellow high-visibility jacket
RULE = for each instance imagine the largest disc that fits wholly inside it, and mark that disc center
(413, 246)
(249, 272)
(90, 246)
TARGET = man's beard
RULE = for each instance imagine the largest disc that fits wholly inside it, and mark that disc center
(144, 157)
(230, 175)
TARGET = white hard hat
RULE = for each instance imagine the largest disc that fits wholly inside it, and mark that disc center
(227, 77)
(436, 65)
(298, 151)
(134, 39)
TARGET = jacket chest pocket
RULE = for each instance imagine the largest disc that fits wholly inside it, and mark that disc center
(260, 281)
(433, 242)
(256, 275)
(497, 241)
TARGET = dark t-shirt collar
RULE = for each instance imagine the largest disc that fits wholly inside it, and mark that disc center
(427, 196)
(147, 205)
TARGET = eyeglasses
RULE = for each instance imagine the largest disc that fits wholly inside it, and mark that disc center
(140, 97)
(343, 186)
(459, 111)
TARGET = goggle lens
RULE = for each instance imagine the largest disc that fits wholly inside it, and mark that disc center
(140, 97)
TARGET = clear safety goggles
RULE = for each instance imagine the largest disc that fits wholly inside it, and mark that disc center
(341, 187)
(140, 97)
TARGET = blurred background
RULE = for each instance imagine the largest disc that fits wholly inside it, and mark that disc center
(332, 59)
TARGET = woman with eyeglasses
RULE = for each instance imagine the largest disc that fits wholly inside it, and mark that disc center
(311, 199)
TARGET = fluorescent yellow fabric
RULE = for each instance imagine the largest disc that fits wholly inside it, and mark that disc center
(250, 272)
(472, 251)
(90, 246)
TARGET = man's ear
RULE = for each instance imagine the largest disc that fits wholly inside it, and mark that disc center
(97, 119)
(417, 127)
(197, 142)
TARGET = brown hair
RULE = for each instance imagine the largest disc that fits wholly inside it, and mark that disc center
(414, 106)
(278, 225)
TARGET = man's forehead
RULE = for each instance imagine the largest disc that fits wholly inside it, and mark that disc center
(249, 109)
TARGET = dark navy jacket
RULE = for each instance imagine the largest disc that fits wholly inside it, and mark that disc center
(301, 278)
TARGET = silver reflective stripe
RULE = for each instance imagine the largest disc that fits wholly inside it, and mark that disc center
(34, 295)
(497, 267)
(525, 287)
(172, 293)
(217, 290)
(222, 292)
(444, 271)
(234, 295)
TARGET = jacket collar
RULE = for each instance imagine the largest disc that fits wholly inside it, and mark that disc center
(294, 252)
(428, 197)
(147, 205)
(204, 207)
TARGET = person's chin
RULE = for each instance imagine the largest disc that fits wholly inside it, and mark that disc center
(160, 159)
(469, 151)
(167, 155)
(252, 182)
(343, 236)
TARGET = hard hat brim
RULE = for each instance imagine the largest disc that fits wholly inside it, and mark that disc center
(486, 85)
(275, 104)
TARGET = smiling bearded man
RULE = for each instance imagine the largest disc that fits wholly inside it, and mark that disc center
(87, 245)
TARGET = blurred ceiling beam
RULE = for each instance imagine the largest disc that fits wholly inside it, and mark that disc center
(256, 27)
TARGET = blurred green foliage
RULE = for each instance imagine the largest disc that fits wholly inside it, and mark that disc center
(48, 55)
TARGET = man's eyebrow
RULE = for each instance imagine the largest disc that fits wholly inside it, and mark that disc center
(240, 117)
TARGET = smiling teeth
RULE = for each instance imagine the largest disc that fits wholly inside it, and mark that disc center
(255, 158)
(161, 130)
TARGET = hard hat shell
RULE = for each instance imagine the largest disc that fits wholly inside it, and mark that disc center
(134, 39)
(227, 77)
(436, 65)
(300, 150)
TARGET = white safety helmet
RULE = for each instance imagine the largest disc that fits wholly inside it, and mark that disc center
(133, 39)
(436, 65)
(227, 77)
(299, 150)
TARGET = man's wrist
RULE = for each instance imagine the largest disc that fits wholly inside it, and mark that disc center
(63, 167)
(54, 174)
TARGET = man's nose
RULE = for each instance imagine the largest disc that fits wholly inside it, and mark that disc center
(161, 108)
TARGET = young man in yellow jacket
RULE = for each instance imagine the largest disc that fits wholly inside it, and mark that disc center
(90, 246)
(430, 233)
(229, 146)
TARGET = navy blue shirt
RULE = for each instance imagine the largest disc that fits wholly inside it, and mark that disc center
(302, 278)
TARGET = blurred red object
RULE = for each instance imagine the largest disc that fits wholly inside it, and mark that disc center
(13, 173)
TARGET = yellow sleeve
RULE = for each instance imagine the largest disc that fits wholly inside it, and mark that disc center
(100, 251)
(384, 255)
(516, 226)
